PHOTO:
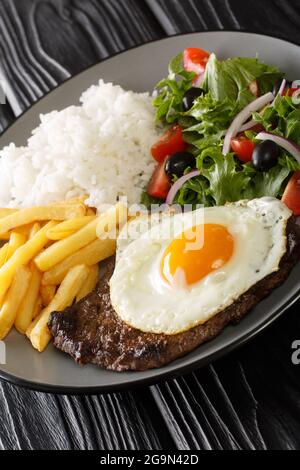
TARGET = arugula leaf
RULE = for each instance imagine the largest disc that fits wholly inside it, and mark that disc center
(289, 162)
(201, 143)
(283, 118)
(227, 181)
(194, 192)
(267, 183)
(210, 115)
(170, 91)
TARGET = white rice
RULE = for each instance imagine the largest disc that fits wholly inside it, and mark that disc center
(101, 148)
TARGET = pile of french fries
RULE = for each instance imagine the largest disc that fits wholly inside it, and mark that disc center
(49, 259)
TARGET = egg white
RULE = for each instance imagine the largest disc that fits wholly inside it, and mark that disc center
(145, 301)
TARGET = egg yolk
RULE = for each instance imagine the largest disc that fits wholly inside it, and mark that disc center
(196, 253)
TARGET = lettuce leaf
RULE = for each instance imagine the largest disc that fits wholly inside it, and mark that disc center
(268, 183)
(225, 179)
(227, 81)
(210, 116)
(230, 79)
(282, 119)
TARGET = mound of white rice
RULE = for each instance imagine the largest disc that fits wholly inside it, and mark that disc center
(101, 148)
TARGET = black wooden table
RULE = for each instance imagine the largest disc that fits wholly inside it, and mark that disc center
(248, 400)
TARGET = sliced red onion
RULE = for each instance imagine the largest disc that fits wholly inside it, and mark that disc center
(248, 126)
(178, 185)
(245, 114)
(286, 144)
(282, 87)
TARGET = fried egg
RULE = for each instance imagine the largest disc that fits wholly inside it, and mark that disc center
(183, 269)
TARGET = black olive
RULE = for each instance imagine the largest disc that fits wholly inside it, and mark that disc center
(190, 96)
(265, 155)
(277, 86)
(177, 163)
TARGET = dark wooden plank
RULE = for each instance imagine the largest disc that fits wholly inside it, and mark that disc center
(31, 420)
(44, 42)
(247, 400)
(274, 17)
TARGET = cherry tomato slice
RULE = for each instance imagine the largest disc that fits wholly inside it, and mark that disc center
(160, 183)
(195, 60)
(289, 91)
(291, 196)
(243, 147)
(171, 142)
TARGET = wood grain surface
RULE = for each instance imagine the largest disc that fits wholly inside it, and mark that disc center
(248, 400)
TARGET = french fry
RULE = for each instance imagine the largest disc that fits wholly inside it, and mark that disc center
(47, 294)
(24, 229)
(5, 236)
(74, 200)
(5, 212)
(68, 227)
(16, 240)
(32, 325)
(26, 310)
(63, 248)
(13, 300)
(37, 308)
(90, 283)
(23, 256)
(40, 213)
(91, 254)
(3, 254)
(40, 334)
(35, 228)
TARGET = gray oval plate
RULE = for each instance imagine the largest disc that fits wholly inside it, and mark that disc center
(53, 371)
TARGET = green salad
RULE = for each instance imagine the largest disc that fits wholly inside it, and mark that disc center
(233, 125)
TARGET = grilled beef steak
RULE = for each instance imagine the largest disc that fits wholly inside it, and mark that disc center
(91, 332)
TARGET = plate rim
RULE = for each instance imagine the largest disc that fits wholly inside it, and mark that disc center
(161, 375)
